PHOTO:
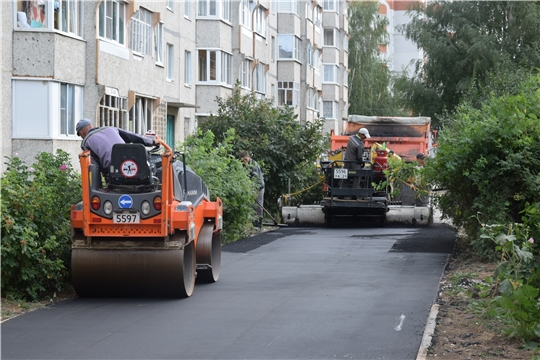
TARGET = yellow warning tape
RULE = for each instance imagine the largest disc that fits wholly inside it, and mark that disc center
(286, 196)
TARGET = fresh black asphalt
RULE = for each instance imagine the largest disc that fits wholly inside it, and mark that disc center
(292, 293)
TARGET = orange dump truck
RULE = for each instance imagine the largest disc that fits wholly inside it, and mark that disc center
(405, 136)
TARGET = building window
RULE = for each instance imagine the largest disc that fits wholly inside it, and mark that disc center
(112, 111)
(330, 5)
(312, 99)
(214, 9)
(315, 100)
(309, 54)
(330, 73)
(289, 47)
(158, 42)
(187, 68)
(289, 6)
(112, 15)
(214, 66)
(329, 109)
(288, 93)
(170, 62)
(67, 109)
(226, 65)
(317, 15)
(273, 48)
(330, 37)
(246, 73)
(187, 8)
(140, 32)
(259, 79)
(67, 16)
(45, 109)
(140, 115)
(260, 21)
(170, 4)
(317, 59)
(246, 6)
(345, 77)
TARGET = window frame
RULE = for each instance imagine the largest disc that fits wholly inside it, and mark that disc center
(141, 32)
(215, 9)
(245, 74)
(259, 78)
(288, 90)
(112, 111)
(158, 42)
(260, 25)
(334, 37)
(187, 68)
(140, 116)
(217, 67)
(295, 43)
(170, 62)
(331, 5)
(72, 23)
(118, 36)
(187, 9)
(333, 72)
(334, 109)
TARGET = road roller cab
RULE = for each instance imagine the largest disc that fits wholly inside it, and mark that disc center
(152, 231)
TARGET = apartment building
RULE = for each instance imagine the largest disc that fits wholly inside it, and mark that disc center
(160, 65)
(400, 53)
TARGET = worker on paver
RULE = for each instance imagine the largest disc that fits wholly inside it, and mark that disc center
(354, 155)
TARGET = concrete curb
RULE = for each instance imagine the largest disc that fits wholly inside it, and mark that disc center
(428, 332)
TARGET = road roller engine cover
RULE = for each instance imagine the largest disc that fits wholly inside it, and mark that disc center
(152, 231)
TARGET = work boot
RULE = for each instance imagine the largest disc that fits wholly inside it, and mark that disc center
(257, 224)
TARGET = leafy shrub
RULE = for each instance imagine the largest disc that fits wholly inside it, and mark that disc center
(487, 162)
(517, 277)
(226, 178)
(36, 233)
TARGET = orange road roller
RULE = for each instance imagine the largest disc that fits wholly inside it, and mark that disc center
(150, 231)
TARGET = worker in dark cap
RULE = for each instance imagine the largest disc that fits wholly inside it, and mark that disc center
(100, 142)
(420, 159)
(354, 155)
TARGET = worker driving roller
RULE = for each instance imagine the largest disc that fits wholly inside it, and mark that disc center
(100, 142)
(354, 155)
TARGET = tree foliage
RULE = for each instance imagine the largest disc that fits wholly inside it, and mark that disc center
(488, 160)
(463, 41)
(285, 149)
(226, 178)
(370, 79)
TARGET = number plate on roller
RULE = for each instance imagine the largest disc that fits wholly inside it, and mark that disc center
(341, 173)
(127, 218)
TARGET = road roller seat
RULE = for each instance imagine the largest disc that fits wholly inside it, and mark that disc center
(129, 166)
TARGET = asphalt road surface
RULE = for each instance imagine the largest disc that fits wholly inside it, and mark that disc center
(293, 293)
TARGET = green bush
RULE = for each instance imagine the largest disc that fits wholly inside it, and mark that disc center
(226, 178)
(36, 235)
(488, 160)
